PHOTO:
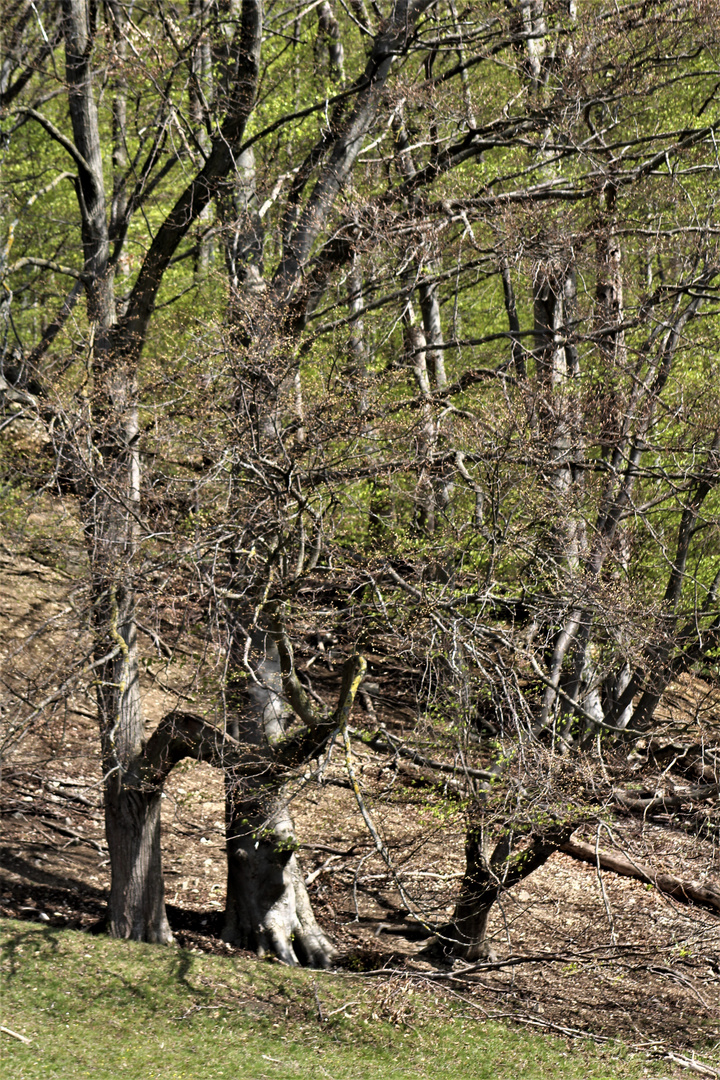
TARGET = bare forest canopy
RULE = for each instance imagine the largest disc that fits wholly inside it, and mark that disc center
(387, 337)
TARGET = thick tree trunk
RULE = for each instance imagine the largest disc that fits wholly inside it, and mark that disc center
(486, 876)
(479, 892)
(268, 908)
(469, 927)
(136, 909)
(111, 496)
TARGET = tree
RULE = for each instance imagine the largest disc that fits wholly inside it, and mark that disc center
(455, 275)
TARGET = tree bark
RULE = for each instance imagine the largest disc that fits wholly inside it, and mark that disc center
(136, 908)
(267, 904)
(90, 188)
(267, 907)
(689, 892)
(486, 877)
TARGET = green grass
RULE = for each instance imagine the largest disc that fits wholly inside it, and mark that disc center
(101, 1009)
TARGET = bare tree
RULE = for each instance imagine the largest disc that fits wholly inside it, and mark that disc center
(525, 260)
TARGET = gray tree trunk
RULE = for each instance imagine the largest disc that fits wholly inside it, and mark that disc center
(110, 470)
(267, 907)
(279, 916)
(111, 494)
(136, 908)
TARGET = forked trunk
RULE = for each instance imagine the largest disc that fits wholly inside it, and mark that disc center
(479, 891)
(486, 876)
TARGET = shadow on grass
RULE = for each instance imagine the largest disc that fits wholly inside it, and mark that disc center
(12, 945)
(127, 976)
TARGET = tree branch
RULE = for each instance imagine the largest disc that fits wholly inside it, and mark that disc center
(48, 264)
(688, 892)
(58, 136)
(180, 735)
(131, 329)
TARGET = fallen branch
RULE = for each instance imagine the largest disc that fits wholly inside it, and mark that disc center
(667, 802)
(15, 1035)
(690, 1063)
(688, 892)
(483, 966)
(77, 837)
(589, 956)
(352, 850)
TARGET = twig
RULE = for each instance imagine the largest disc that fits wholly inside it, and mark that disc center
(15, 1035)
(157, 641)
(320, 1014)
(667, 802)
(347, 1005)
(315, 874)
(331, 850)
(577, 1033)
(368, 705)
(379, 845)
(419, 759)
(601, 883)
(355, 884)
(686, 982)
(532, 958)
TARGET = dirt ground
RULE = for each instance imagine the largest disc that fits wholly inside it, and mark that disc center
(652, 977)
(658, 985)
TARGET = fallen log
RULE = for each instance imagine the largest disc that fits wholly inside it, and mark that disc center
(688, 892)
(667, 802)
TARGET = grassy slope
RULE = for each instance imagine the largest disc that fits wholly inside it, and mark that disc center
(100, 1009)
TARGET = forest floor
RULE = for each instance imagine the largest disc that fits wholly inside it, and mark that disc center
(650, 978)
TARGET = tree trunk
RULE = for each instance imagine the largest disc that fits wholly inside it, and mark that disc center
(479, 891)
(469, 927)
(110, 495)
(486, 876)
(136, 909)
(268, 908)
